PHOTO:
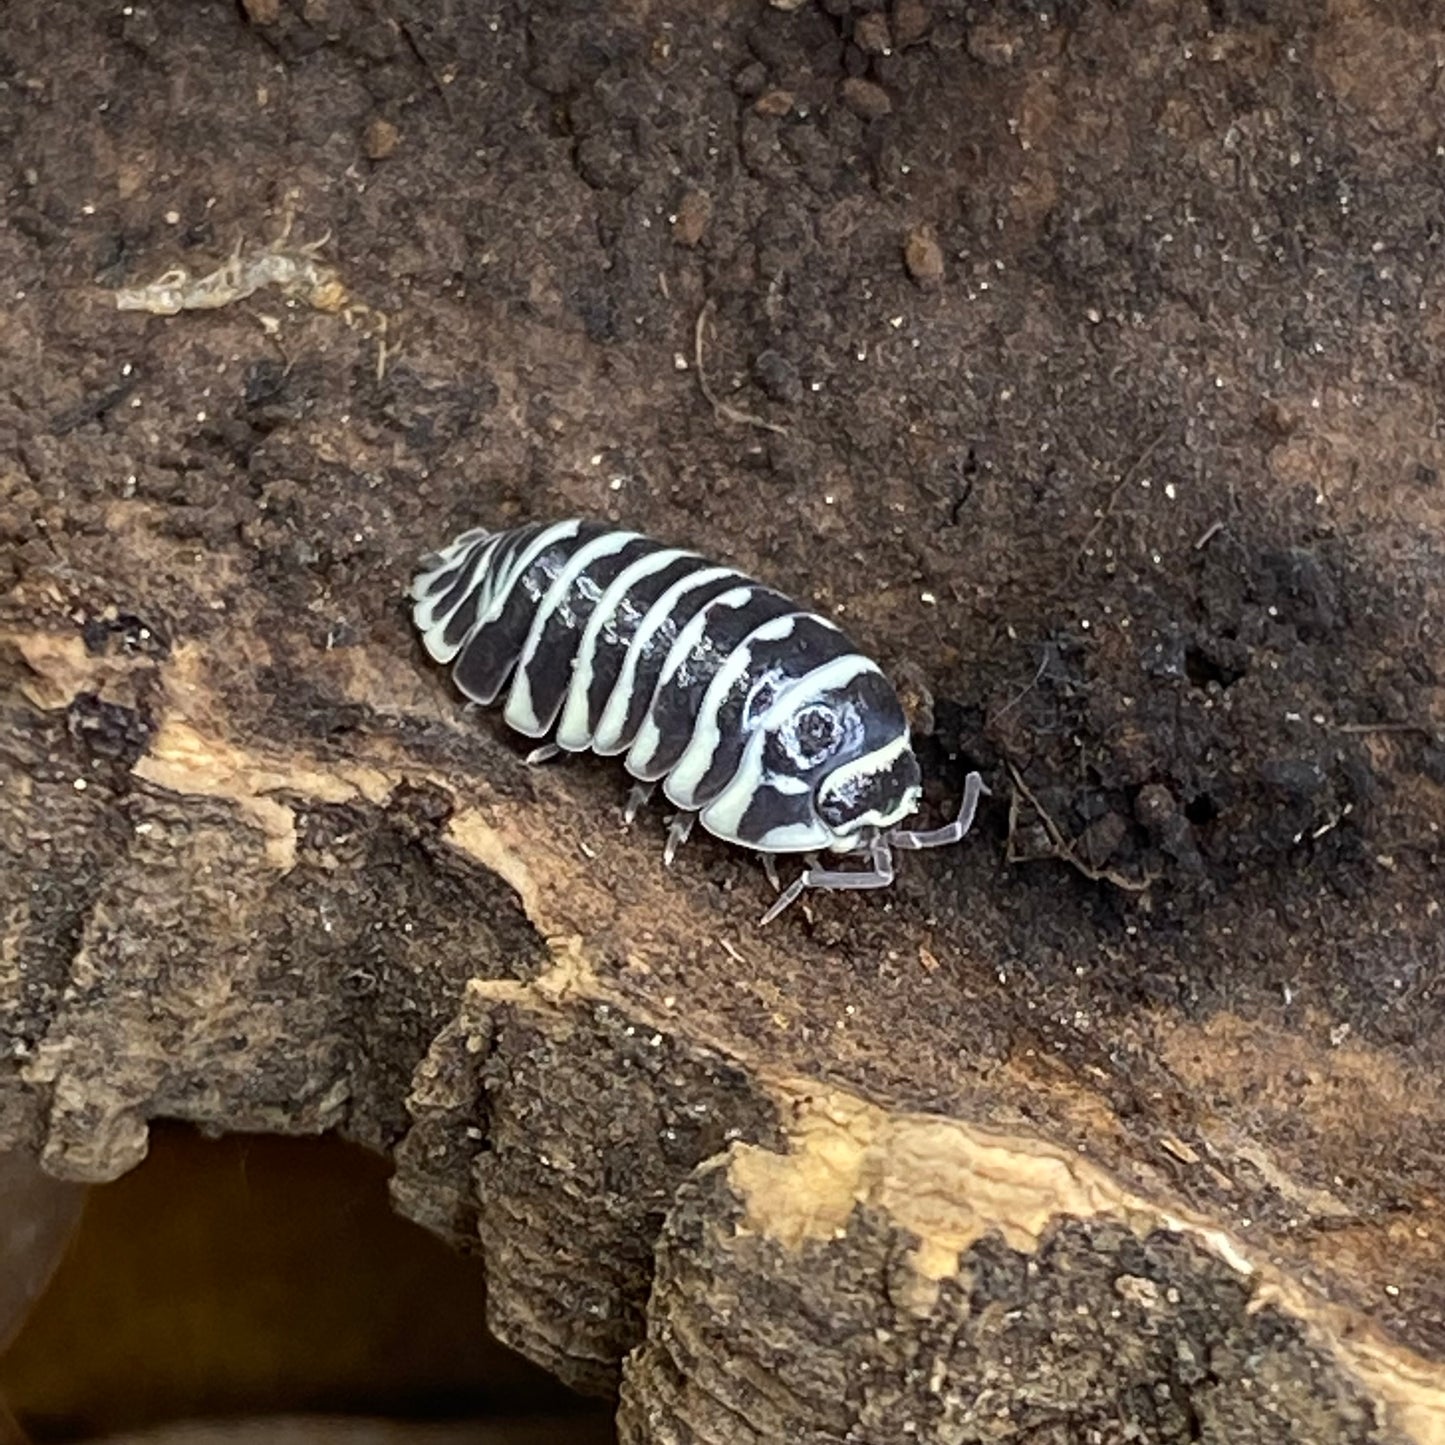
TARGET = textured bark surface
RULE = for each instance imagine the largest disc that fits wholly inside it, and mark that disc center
(1081, 358)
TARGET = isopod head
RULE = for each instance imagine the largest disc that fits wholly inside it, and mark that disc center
(829, 766)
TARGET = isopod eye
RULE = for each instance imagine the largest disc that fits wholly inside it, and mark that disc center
(817, 730)
(808, 738)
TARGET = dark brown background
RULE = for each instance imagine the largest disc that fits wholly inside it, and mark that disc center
(1135, 479)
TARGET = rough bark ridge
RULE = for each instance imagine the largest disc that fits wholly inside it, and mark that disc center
(1081, 359)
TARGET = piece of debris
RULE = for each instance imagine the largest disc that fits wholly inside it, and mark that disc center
(995, 45)
(911, 22)
(923, 256)
(693, 213)
(380, 139)
(871, 34)
(774, 102)
(865, 98)
(293, 269)
(916, 696)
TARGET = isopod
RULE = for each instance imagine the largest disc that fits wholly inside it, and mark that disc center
(760, 719)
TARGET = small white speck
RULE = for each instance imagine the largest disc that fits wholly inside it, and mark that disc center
(200, 416)
(828, 499)
(679, 361)
(173, 218)
(1170, 490)
(87, 210)
(928, 599)
(79, 785)
(615, 485)
(596, 459)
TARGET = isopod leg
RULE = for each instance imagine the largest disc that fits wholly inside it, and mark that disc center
(880, 875)
(541, 755)
(678, 828)
(973, 790)
(637, 798)
(770, 871)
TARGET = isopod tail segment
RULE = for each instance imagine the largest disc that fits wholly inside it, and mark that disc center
(880, 850)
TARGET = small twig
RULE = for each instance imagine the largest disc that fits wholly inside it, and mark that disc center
(1332, 822)
(729, 413)
(731, 952)
(1063, 851)
(1208, 535)
(1123, 482)
(1386, 727)
(1028, 687)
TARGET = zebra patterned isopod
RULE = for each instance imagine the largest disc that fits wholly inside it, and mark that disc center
(759, 719)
